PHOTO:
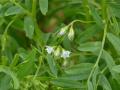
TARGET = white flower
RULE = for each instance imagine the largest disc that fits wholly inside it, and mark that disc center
(49, 49)
(63, 30)
(65, 54)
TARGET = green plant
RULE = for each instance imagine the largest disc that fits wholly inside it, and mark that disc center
(60, 44)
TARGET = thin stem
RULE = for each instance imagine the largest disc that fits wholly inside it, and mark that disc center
(100, 53)
(37, 71)
(104, 69)
(38, 36)
(81, 22)
(5, 35)
(103, 42)
(34, 9)
(9, 24)
(103, 2)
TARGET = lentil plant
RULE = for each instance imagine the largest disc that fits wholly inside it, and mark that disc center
(59, 45)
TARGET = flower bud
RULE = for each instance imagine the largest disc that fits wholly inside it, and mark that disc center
(57, 51)
(71, 33)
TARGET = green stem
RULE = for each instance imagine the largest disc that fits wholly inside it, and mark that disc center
(38, 34)
(4, 36)
(34, 9)
(104, 70)
(81, 22)
(37, 71)
(100, 53)
(15, 60)
(9, 24)
(103, 7)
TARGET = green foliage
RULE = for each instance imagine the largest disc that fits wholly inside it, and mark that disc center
(43, 4)
(29, 27)
(52, 64)
(59, 45)
(7, 71)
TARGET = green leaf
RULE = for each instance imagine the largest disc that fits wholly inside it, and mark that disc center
(67, 83)
(108, 59)
(4, 60)
(116, 68)
(66, 43)
(115, 26)
(104, 82)
(43, 4)
(52, 64)
(96, 16)
(18, 24)
(28, 4)
(7, 71)
(0, 6)
(115, 41)
(25, 68)
(1, 21)
(94, 76)
(75, 77)
(114, 10)
(110, 63)
(15, 60)
(90, 46)
(29, 27)
(88, 33)
(13, 11)
(77, 72)
(5, 82)
(90, 86)
(114, 84)
(79, 68)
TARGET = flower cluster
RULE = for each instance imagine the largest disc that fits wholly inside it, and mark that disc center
(69, 29)
(64, 54)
